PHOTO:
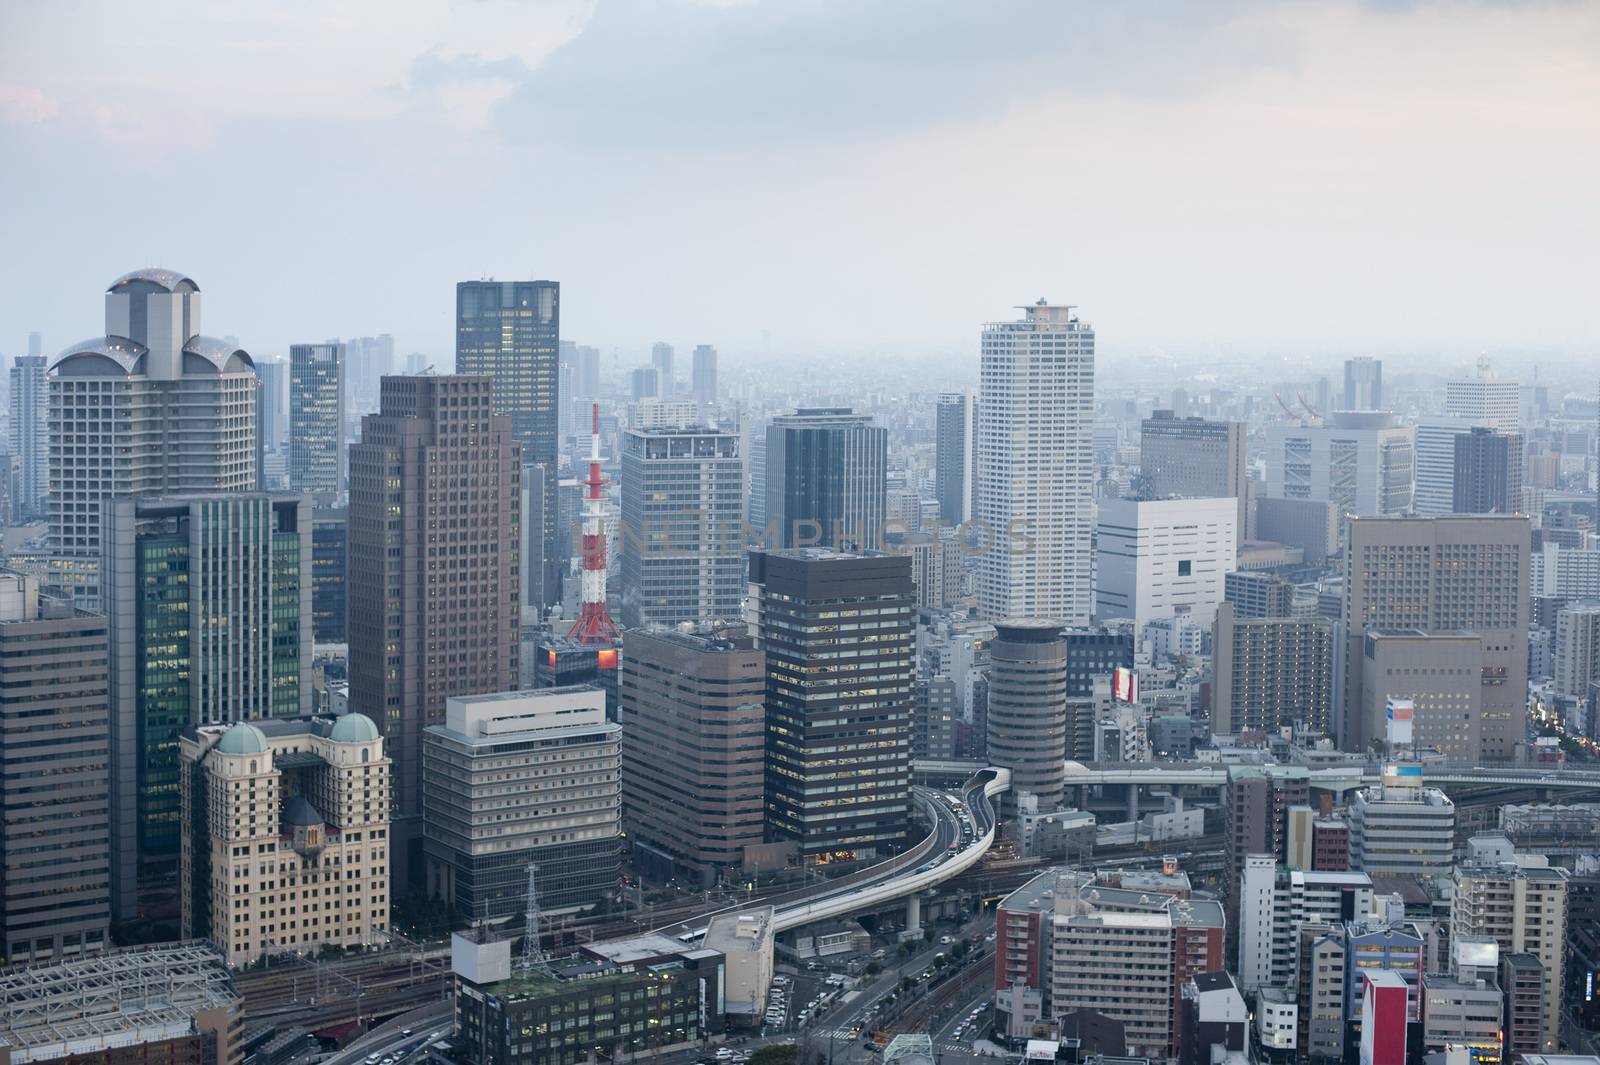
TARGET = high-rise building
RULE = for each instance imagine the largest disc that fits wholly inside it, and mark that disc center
(703, 382)
(837, 632)
(1488, 472)
(434, 555)
(661, 360)
(1027, 719)
(1092, 653)
(1035, 470)
(693, 754)
(313, 794)
(587, 377)
(330, 568)
(1486, 400)
(152, 407)
(317, 453)
(1363, 384)
(523, 777)
(682, 541)
(1312, 525)
(272, 413)
(208, 600)
(55, 778)
(1275, 899)
(1163, 558)
(1254, 803)
(30, 433)
(826, 471)
(1258, 594)
(1438, 675)
(368, 361)
(644, 383)
(1436, 463)
(1577, 651)
(510, 331)
(1192, 458)
(1360, 461)
(1438, 576)
(1269, 672)
(954, 455)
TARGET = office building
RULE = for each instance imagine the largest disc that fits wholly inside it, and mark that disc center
(208, 603)
(434, 607)
(703, 375)
(509, 332)
(1488, 472)
(55, 778)
(1320, 976)
(1401, 829)
(175, 409)
(1442, 576)
(30, 434)
(1363, 463)
(330, 567)
(661, 360)
(1027, 719)
(953, 455)
(1363, 384)
(693, 754)
(1192, 458)
(317, 452)
(519, 777)
(272, 412)
(1254, 803)
(1484, 399)
(644, 383)
(311, 793)
(1275, 900)
(682, 541)
(1436, 463)
(1035, 466)
(1163, 559)
(1255, 594)
(1312, 525)
(935, 717)
(825, 472)
(1270, 672)
(1093, 653)
(837, 632)
(1577, 650)
(745, 941)
(369, 360)
(1465, 1007)
(172, 1004)
(1438, 675)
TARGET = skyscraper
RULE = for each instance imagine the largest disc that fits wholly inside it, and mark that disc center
(1163, 558)
(1436, 464)
(1442, 575)
(208, 599)
(1027, 722)
(953, 455)
(1488, 472)
(272, 418)
(164, 409)
(435, 523)
(317, 453)
(30, 433)
(55, 776)
(1035, 471)
(1362, 462)
(1270, 672)
(1363, 384)
(837, 632)
(661, 358)
(330, 544)
(1486, 400)
(704, 370)
(510, 332)
(644, 383)
(826, 471)
(682, 542)
(1192, 458)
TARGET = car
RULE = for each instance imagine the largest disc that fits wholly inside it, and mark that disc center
(372, 1059)
(724, 1053)
(879, 954)
(945, 940)
(405, 1033)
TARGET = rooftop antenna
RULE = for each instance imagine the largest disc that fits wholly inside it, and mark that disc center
(533, 959)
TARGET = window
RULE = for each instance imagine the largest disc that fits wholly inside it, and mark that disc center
(1183, 568)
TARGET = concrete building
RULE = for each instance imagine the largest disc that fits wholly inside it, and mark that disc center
(745, 941)
(1027, 719)
(1192, 458)
(1487, 400)
(175, 409)
(954, 455)
(1254, 803)
(1488, 473)
(693, 762)
(661, 359)
(682, 542)
(837, 632)
(936, 714)
(509, 332)
(1363, 384)
(1275, 900)
(29, 433)
(1567, 572)
(1440, 576)
(1528, 1010)
(55, 778)
(1320, 980)
(1255, 594)
(434, 608)
(308, 801)
(825, 474)
(1035, 466)
(522, 777)
(1402, 830)
(1438, 675)
(1164, 558)
(208, 603)
(1577, 649)
(703, 375)
(1268, 672)
(1465, 1007)
(1436, 463)
(1362, 462)
(1309, 524)
(318, 456)
(272, 413)
(1215, 1022)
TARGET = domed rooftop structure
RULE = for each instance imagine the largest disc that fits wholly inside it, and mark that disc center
(243, 738)
(99, 356)
(299, 813)
(353, 728)
(170, 280)
(204, 354)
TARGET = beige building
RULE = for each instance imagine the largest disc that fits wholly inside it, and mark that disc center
(295, 850)
(1270, 672)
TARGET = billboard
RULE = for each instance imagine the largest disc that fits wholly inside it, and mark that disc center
(1124, 685)
(1398, 714)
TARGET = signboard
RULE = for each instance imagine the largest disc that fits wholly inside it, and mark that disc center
(1124, 685)
(1398, 714)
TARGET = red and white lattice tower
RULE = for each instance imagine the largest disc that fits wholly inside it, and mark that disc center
(594, 625)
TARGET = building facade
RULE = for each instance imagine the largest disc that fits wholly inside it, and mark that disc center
(1163, 558)
(826, 479)
(1363, 463)
(30, 433)
(1268, 672)
(1192, 457)
(953, 455)
(1488, 473)
(1363, 384)
(1027, 719)
(330, 570)
(1402, 830)
(317, 452)
(703, 375)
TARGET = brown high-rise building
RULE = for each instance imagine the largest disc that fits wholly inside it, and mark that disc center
(1441, 575)
(693, 752)
(1254, 803)
(434, 534)
(1271, 671)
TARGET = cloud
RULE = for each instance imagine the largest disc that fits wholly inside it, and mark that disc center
(24, 105)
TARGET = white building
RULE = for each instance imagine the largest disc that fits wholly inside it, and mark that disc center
(1274, 902)
(1573, 573)
(1436, 463)
(1577, 650)
(1035, 466)
(1485, 399)
(1163, 558)
(1360, 461)
(745, 941)
(1399, 830)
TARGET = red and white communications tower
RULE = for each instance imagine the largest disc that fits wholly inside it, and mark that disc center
(594, 625)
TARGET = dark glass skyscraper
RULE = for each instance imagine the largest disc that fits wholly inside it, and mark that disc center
(1488, 472)
(826, 474)
(953, 455)
(317, 453)
(510, 332)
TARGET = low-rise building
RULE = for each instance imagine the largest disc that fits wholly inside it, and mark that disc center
(1398, 829)
(744, 940)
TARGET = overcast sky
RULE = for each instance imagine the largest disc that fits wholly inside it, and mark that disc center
(851, 177)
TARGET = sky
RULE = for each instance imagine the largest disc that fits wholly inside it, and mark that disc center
(787, 178)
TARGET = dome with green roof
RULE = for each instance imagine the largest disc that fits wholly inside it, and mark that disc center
(243, 738)
(353, 728)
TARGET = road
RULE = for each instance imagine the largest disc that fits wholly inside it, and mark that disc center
(426, 1025)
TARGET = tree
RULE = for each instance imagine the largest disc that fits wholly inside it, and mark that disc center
(873, 968)
(777, 1054)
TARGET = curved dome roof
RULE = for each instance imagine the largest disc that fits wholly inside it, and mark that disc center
(243, 738)
(155, 275)
(299, 812)
(122, 352)
(353, 728)
(223, 356)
